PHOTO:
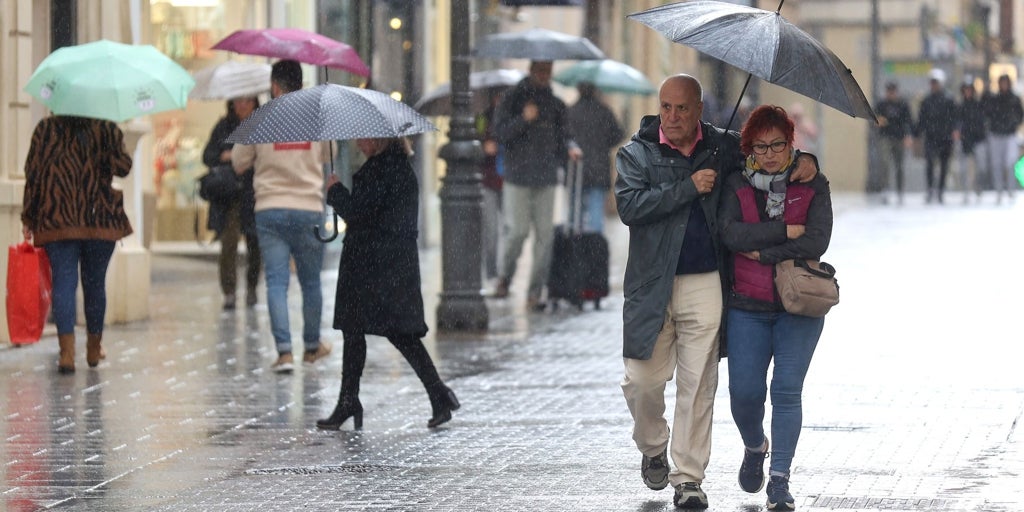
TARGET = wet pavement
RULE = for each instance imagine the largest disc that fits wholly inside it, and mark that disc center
(912, 403)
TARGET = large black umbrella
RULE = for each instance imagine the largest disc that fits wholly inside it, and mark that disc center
(763, 44)
(330, 112)
(537, 44)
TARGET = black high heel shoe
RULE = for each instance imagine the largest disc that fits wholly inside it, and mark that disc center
(443, 402)
(347, 408)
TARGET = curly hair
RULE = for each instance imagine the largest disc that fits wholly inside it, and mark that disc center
(761, 120)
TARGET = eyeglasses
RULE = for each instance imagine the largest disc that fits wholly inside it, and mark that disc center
(777, 147)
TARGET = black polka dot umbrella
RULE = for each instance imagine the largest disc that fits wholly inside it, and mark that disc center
(330, 112)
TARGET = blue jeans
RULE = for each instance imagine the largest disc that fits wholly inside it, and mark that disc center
(755, 338)
(65, 257)
(592, 209)
(286, 234)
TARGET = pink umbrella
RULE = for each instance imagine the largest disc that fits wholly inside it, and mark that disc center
(295, 44)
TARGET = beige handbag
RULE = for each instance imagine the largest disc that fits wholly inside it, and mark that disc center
(806, 287)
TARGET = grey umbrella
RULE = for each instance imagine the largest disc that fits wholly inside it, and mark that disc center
(438, 102)
(537, 44)
(763, 44)
(330, 112)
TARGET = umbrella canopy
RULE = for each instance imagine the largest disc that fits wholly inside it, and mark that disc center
(537, 44)
(438, 102)
(608, 75)
(231, 79)
(763, 44)
(295, 44)
(330, 112)
(109, 80)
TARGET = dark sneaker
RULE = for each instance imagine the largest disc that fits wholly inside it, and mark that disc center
(779, 497)
(654, 471)
(752, 469)
(690, 496)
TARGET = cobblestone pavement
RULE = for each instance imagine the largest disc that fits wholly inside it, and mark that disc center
(912, 402)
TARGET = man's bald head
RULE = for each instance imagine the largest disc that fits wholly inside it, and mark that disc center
(681, 99)
(684, 84)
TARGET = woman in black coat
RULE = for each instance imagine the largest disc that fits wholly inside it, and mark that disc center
(379, 276)
(230, 219)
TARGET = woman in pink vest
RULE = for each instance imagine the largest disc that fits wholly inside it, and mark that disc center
(765, 219)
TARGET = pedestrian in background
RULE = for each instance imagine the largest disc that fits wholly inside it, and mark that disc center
(594, 127)
(531, 124)
(805, 136)
(379, 276)
(667, 193)
(1004, 113)
(491, 182)
(70, 209)
(288, 180)
(231, 219)
(971, 125)
(766, 219)
(936, 124)
(895, 126)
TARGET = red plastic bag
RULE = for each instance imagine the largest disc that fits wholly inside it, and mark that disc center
(28, 292)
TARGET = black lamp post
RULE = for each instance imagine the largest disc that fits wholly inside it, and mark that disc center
(461, 306)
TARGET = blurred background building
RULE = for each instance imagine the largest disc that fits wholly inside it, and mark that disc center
(406, 45)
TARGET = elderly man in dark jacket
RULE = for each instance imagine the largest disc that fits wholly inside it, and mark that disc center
(667, 192)
(531, 122)
(594, 127)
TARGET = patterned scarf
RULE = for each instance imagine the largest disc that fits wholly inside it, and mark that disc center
(773, 184)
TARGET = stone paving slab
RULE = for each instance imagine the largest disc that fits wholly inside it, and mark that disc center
(910, 403)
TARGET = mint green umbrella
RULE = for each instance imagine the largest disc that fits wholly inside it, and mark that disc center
(110, 80)
(608, 75)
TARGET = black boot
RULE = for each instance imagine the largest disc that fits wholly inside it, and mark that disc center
(352, 361)
(442, 402)
(442, 399)
(348, 407)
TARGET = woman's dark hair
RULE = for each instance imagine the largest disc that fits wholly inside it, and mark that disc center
(232, 116)
(761, 120)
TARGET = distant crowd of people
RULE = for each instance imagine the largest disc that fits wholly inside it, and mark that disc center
(985, 128)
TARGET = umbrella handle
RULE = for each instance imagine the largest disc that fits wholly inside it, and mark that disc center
(316, 231)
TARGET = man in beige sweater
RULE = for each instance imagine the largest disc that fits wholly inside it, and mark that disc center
(289, 185)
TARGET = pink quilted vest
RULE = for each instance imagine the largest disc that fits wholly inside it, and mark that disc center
(754, 279)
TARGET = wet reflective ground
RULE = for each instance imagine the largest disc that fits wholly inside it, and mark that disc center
(913, 401)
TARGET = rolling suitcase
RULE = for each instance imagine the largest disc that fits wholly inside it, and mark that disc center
(579, 261)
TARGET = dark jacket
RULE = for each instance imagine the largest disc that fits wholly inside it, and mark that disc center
(654, 195)
(897, 115)
(379, 274)
(971, 123)
(595, 129)
(769, 236)
(534, 151)
(1004, 112)
(69, 170)
(936, 120)
(247, 198)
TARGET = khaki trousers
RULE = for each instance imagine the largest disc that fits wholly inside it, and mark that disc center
(687, 347)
